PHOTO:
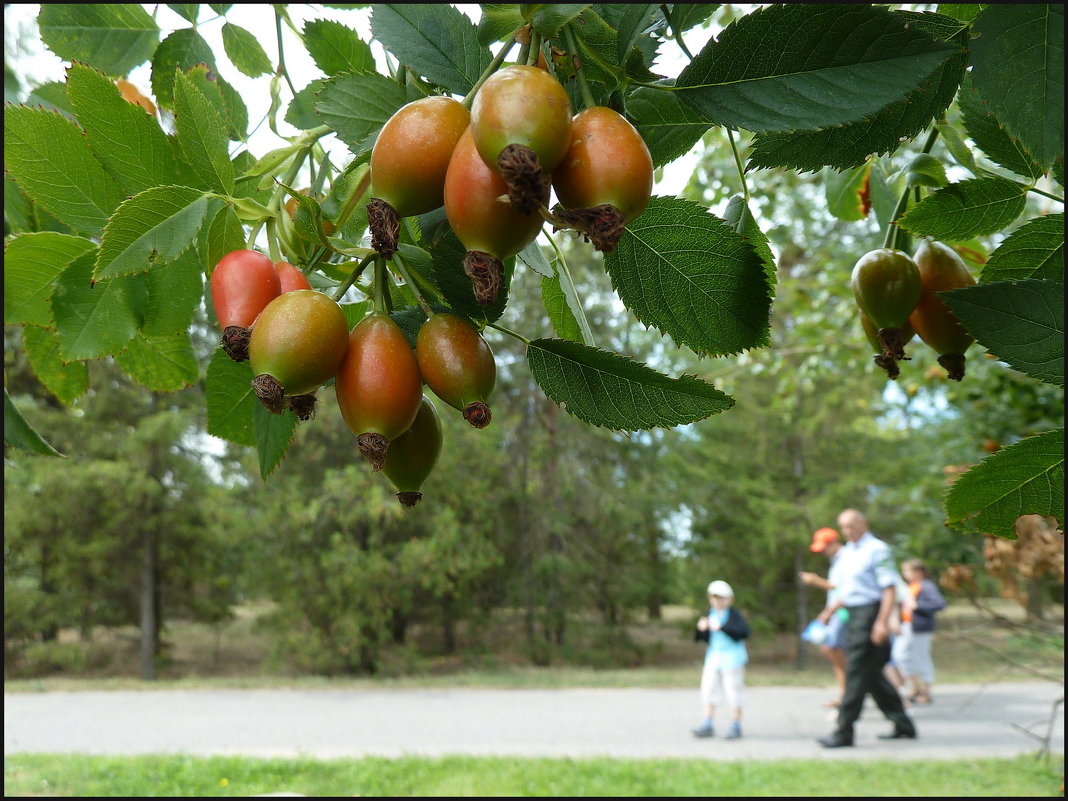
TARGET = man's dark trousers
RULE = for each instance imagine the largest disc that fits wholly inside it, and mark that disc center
(864, 674)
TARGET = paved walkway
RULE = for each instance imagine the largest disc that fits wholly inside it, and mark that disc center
(781, 723)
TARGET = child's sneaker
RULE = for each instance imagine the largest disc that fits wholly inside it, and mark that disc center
(735, 731)
(704, 730)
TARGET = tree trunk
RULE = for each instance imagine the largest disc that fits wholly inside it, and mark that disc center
(149, 605)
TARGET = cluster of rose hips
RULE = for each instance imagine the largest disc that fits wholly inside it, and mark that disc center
(297, 339)
(492, 169)
(897, 296)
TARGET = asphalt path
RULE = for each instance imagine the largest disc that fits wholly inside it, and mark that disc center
(966, 720)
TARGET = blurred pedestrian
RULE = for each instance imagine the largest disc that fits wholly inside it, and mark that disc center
(723, 676)
(866, 580)
(828, 542)
(925, 602)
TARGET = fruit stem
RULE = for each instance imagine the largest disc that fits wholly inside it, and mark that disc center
(381, 289)
(587, 96)
(567, 286)
(675, 33)
(535, 48)
(741, 170)
(402, 268)
(509, 332)
(494, 65)
(272, 241)
(339, 293)
(890, 239)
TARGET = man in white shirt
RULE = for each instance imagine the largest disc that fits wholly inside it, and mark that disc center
(866, 577)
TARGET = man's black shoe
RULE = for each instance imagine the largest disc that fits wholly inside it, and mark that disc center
(836, 740)
(899, 734)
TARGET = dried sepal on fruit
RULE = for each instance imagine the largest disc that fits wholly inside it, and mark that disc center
(872, 334)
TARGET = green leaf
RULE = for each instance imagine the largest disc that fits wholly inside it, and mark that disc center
(740, 218)
(669, 126)
(66, 380)
(848, 146)
(156, 225)
(1034, 250)
(96, 319)
(220, 8)
(991, 137)
(1020, 321)
(162, 364)
(224, 235)
(245, 51)
(633, 19)
(20, 434)
(805, 67)
(618, 393)
(1024, 478)
(686, 272)
(175, 289)
(182, 50)
(202, 136)
(236, 116)
(112, 37)
(231, 403)
(52, 95)
(32, 263)
(557, 307)
(534, 258)
(273, 435)
(847, 192)
(550, 18)
(129, 143)
(1018, 69)
(336, 48)
(435, 40)
(357, 106)
(498, 22)
(48, 157)
(301, 112)
(978, 207)
(187, 11)
(957, 147)
(965, 12)
(689, 15)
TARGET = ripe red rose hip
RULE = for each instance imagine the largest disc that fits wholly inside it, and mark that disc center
(297, 344)
(408, 164)
(886, 286)
(941, 269)
(411, 456)
(378, 386)
(606, 177)
(242, 284)
(457, 364)
(490, 229)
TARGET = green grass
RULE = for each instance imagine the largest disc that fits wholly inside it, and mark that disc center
(82, 776)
